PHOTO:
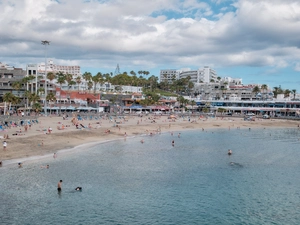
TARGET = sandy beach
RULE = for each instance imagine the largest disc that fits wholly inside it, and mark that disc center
(37, 141)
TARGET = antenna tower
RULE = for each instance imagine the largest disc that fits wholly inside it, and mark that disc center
(117, 71)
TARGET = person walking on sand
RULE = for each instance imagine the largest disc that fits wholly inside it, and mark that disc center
(4, 145)
(59, 185)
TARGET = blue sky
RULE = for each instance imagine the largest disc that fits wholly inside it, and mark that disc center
(257, 41)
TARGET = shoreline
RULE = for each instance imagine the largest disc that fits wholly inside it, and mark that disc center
(34, 143)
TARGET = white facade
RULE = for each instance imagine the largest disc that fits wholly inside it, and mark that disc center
(232, 81)
(193, 74)
(51, 67)
(169, 75)
(204, 75)
(208, 75)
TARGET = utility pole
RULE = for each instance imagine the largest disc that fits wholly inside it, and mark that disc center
(45, 43)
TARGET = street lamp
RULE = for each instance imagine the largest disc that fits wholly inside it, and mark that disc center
(45, 103)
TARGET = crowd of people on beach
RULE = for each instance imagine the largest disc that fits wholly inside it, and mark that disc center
(111, 126)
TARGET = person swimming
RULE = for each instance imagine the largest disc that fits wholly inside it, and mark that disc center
(229, 152)
(78, 189)
(236, 164)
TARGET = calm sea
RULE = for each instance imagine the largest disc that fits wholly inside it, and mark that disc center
(194, 182)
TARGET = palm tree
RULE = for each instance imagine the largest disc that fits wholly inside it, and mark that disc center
(51, 76)
(26, 81)
(37, 107)
(90, 85)
(276, 91)
(256, 90)
(193, 103)
(51, 98)
(132, 73)
(11, 99)
(61, 79)
(146, 73)
(287, 93)
(17, 86)
(87, 76)
(98, 78)
(264, 88)
(294, 93)
(41, 91)
(33, 98)
(78, 81)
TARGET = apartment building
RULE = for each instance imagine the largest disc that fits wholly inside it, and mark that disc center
(169, 75)
(9, 75)
(204, 75)
(39, 69)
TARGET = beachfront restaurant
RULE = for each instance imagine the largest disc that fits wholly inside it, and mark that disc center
(271, 108)
(135, 109)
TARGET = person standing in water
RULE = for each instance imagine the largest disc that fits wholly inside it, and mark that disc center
(59, 185)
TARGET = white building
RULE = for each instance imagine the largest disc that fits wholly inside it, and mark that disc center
(204, 75)
(33, 69)
(38, 70)
(169, 75)
(193, 74)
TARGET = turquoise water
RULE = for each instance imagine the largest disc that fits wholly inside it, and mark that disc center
(194, 182)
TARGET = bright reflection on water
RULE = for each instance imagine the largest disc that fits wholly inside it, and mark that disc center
(194, 182)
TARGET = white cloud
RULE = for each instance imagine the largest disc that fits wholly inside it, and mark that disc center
(181, 34)
(297, 67)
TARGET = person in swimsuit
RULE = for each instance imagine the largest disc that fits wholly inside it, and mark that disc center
(59, 185)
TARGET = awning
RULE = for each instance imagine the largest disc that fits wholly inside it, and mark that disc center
(23, 108)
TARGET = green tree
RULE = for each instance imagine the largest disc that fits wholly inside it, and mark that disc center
(61, 79)
(11, 99)
(287, 93)
(37, 107)
(51, 76)
(90, 85)
(192, 104)
(78, 81)
(277, 91)
(33, 98)
(256, 90)
(41, 91)
(50, 98)
(17, 86)
(264, 89)
(87, 76)
(294, 93)
(98, 79)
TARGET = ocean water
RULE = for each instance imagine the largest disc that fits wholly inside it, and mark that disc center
(194, 182)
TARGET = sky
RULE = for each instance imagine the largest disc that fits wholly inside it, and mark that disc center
(256, 40)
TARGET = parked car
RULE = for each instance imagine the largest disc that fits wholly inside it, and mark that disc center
(250, 114)
(229, 114)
